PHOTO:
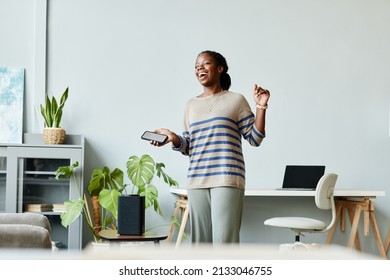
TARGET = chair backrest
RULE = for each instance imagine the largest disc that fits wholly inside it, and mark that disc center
(325, 196)
(325, 190)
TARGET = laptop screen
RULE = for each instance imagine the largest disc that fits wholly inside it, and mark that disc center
(302, 176)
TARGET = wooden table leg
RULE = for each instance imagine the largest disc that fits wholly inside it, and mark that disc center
(333, 229)
(182, 207)
(366, 222)
(182, 227)
(352, 217)
(378, 238)
(387, 242)
(175, 215)
(354, 209)
(342, 218)
(354, 228)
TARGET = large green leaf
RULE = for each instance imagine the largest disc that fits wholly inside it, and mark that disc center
(101, 178)
(66, 171)
(140, 170)
(97, 181)
(108, 199)
(167, 179)
(54, 108)
(45, 117)
(150, 193)
(64, 97)
(115, 179)
(57, 118)
(47, 112)
(58, 111)
(73, 209)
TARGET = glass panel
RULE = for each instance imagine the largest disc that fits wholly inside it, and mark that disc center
(37, 165)
(40, 185)
(59, 234)
(3, 176)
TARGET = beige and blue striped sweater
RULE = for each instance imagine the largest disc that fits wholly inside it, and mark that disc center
(213, 127)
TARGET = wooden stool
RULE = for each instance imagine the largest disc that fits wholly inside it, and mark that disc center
(181, 206)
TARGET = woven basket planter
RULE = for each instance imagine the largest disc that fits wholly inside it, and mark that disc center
(54, 135)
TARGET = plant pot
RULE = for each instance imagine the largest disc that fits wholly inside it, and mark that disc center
(131, 215)
(54, 135)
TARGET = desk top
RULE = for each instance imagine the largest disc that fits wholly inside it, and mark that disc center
(275, 192)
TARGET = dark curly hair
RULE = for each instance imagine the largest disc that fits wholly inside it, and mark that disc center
(221, 61)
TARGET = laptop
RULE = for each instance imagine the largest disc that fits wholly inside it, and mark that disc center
(302, 177)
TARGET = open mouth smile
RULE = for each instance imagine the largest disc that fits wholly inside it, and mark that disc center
(201, 75)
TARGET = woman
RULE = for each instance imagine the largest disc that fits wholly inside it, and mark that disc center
(214, 122)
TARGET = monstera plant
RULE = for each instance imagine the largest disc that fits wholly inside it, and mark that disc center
(141, 172)
(100, 206)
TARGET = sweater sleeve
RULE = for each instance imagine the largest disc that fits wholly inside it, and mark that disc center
(185, 137)
(246, 121)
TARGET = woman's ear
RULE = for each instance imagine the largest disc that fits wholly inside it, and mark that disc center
(220, 69)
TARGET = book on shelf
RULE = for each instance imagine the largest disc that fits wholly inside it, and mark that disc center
(58, 207)
(37, 207)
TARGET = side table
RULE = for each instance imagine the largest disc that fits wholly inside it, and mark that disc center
(113, 237)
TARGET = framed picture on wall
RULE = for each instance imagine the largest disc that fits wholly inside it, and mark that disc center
(11, 104)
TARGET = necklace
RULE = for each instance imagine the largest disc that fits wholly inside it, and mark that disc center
(212, 105)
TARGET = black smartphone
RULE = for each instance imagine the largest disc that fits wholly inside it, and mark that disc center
(152, 136)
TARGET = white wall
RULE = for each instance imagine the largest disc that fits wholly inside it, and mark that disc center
(129, 66)
(23, 45)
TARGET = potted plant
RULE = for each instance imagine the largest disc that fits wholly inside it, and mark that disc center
(141, 172)
(105, 187)
(52, 115)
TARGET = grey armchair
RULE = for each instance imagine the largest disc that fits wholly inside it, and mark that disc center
(25, 230)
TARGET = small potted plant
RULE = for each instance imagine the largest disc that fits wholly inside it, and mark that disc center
(52, 115)
(104, 188)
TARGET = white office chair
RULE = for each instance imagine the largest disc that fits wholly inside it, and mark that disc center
(324, 200)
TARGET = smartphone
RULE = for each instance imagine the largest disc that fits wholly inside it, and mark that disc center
(152, 136)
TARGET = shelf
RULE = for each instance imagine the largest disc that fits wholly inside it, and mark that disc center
(52, 173)
(47, 213)
(46, 182)
(27, 176)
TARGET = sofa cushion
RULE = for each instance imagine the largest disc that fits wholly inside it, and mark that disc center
(24, 236)
(35, 219)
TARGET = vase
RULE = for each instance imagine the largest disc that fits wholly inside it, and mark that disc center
(54, 135)
(131, 215)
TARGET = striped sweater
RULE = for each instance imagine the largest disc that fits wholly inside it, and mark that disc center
(213, 127)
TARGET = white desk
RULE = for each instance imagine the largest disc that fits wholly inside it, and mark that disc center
(273, 192)
(355, 202)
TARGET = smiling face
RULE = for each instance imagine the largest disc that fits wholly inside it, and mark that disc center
(207, 71)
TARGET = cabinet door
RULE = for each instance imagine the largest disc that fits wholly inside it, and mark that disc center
(3, 177)
(38, 191)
